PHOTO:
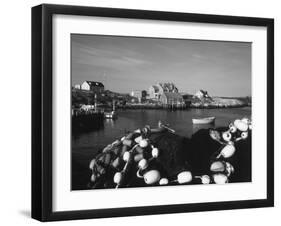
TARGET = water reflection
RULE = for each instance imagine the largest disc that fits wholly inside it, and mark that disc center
(110, 122)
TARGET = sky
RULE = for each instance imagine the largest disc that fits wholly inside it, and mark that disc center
(124, 64)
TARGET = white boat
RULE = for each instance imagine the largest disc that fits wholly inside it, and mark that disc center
(208, 120)
(111, 114)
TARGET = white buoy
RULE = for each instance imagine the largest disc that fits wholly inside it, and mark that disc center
(227, 151)
(126, 156)
(138, 139)
(232, 128)
(246, 120)
(244, 135)
(226, 136)
(127, 142)
(143, 143)
(137, 131)
(250, 126)
(93, 178)
(155, 152)
(163, 181)
(229, 168)
(242, 126)
(117, 177)
(143, 164)
(217, 166)
(220, 178)
(151, 177)
(205, 179)
(92, 163)
(184, 177)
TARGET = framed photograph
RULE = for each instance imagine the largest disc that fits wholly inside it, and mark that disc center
(145, 112)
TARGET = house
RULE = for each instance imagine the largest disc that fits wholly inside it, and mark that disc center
(155, 91)
(97, 87)
(202, 94)
(137, 94)
(172, 98)
(77, 86)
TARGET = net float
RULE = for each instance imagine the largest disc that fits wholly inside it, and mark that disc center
(244, 135)
(227, 151)
(143, 164)
(127, 142)
(217, 166)
(126, 156)
(124, 149)
(143, 143)
(163, 181)
(226, 136)
(93, 178)
(155, 152)
(242, 126)
(137, 131)
(151, 177)
(220, 178)
(138, 157)
(205, 179)
(118, 176)
(184, 177)
(138, 139)
(250, 126)
(246, 120)
(92, 163)
(229, 168)
(123, 138)
(232, 128)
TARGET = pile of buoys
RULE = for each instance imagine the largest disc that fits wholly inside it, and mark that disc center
(136, 151)
(220, 169)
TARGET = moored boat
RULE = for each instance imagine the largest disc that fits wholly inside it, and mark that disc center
(110, 115)
(207, 120)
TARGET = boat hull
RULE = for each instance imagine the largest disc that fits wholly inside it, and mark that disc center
(209, 120)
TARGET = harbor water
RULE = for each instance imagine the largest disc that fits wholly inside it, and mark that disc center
(85, 145)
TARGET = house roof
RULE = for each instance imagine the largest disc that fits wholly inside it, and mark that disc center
(168, 87)
(92, 83)
(156, 89)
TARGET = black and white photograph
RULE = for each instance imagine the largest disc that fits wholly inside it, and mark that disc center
(159, 112)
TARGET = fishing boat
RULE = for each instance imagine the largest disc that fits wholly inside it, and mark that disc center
(208, 120)
(110, 115)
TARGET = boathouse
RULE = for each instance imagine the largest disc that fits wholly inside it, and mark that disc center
(96, 87)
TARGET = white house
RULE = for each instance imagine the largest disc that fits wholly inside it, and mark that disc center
(77, 86)
(201, 94)
(97, 87)
(155, 91)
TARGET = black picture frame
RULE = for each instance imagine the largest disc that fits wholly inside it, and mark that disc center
(42, 111)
